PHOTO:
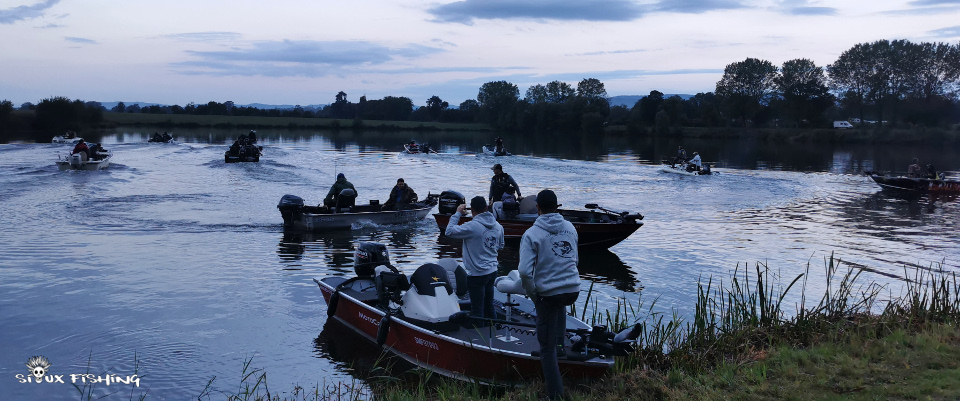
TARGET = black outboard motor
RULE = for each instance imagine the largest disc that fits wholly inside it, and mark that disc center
(368, 256)
(289, 205)
(449, 200)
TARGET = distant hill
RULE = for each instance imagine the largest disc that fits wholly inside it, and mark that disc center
(630, 100)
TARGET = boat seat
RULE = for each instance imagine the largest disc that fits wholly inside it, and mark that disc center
(457, 276)
(510, 284)
(528, 205)
(497, 209)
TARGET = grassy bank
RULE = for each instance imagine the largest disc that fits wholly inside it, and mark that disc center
(857, 135)
(743, 342)
(255, 122)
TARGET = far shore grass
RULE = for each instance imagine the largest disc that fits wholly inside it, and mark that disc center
(257, 122)
(743, 343)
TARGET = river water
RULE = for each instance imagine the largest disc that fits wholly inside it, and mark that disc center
(175, 266)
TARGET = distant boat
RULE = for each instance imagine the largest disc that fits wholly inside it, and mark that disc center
(682, 170)
(491, 151)
(66, 139)
(917, 185)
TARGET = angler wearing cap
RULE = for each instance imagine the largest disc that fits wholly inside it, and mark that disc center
(482, 240)
(340, 185)
(502, 183)
(550, 277)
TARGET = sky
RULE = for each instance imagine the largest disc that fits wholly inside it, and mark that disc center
(304, 52)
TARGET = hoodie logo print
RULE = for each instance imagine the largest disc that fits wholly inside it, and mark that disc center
(562, 249)
(490, 242)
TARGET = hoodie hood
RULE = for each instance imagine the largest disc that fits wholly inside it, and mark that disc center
(551, 222)
(486, 219)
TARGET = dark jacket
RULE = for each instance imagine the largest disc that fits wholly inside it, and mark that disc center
(501, 184)
(400, 196)
(338, 186)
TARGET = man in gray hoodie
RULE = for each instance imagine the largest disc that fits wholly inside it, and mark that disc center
(548, 271)
(482, 239)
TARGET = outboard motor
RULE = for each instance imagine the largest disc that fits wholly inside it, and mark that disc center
(431, 298)
(368, 256)
(289, 205)
(449, 200)
(76, 160)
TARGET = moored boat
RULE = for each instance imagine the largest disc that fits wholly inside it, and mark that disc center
(320, 218)
(422, 319)
(597, 227)
(917, 185)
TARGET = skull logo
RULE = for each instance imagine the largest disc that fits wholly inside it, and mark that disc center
(38, 366)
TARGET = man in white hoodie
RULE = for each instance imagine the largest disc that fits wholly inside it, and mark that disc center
(482, 239)
(548, 271)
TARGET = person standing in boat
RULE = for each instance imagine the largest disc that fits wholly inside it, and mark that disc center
(82, 149)
(400, 195)
(913, 170)
(498, 145)
(482, 240)
(501, 183)
(681, 155)
(340, 185)
(549, 274)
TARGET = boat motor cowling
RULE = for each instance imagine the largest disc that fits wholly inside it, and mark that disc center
(289, 204)
(449, 200)
(368, 256)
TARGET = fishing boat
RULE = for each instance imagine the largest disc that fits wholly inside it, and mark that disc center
(243, 153)
(413, 148)
(78, 162)
(70, 137)
(683, 170)
(597, 227)
(423, 320)
(492, 151)
(347, 214)
(939, 185)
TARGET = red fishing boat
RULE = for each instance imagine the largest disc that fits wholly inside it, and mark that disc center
(917, 185)
(420, 319)
(597, 227)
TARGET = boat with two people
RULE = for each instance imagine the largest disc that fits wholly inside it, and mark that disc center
(90, 157)
(68, 137)
(244, 149)
(686, 169)
(165, 138)
(936, 184)
(413, 148)
(597, 227)
(423, 318)
(345, 213)
(493, 151)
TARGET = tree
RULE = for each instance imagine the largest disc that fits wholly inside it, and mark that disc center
(496, 100)
(591, 88)
(803, 86)
(559, 92)
(850, 75)
(436, 106)
(27, 106)
(119, 108)
(745, 86)
(536, 94)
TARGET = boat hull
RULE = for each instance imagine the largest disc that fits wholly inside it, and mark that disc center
(489, 151)
(681, 171)
(464, 354)
(917, 185)
(318, 222)
(92, 165)
(589, 235)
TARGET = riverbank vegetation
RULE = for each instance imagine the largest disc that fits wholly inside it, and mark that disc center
(885, 89)
(854, 341)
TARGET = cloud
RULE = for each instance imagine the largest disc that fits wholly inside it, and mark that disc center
(603, 53)
(20, 13)
(811, 11)
(50, 26)
(949, 32)
(299, 58)
(84, 41)
(696, 6)
(466, 11)
(928, 7)
(205, 36)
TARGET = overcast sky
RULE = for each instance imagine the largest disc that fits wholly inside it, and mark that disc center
(304, 52)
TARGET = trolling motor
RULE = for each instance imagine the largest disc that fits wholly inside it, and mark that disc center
(624, 215)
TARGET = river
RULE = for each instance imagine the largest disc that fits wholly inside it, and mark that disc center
(174, 265)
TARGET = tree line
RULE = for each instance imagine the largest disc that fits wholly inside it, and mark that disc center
(887, 82)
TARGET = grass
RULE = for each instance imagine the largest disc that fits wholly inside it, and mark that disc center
(258, 122)
(744, 342)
